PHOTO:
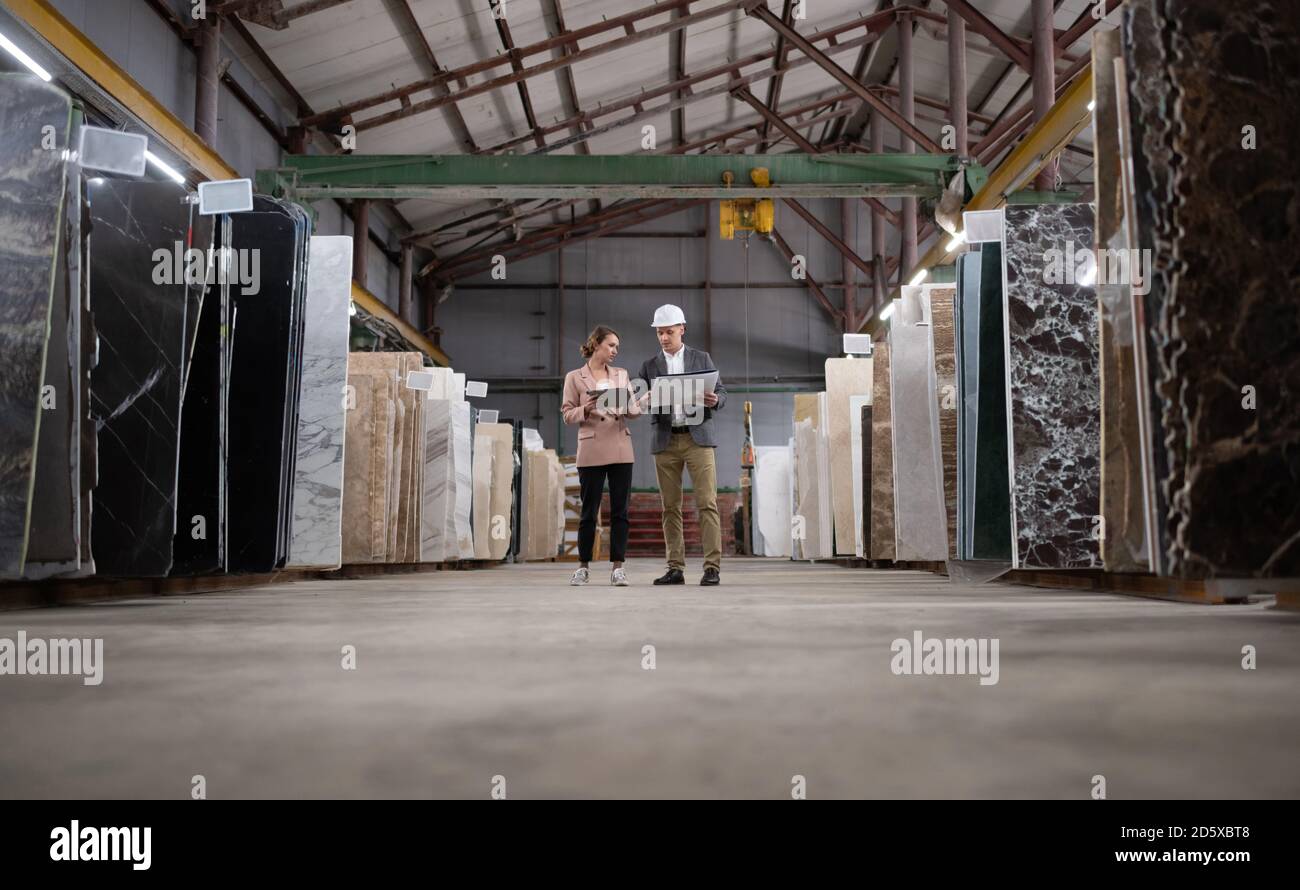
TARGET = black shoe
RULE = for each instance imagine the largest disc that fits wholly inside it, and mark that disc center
(711, 577)
(672, 576)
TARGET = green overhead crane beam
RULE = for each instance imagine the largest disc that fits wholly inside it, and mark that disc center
(400, 177)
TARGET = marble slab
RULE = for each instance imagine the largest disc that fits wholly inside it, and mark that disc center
(317, 536)
(920, 519)
(772, 498)
(991, 537)
(360, 466)
(882, 455)
(966, 339)
(812, 478)
(261, 440)
(1150, 196)
(1229, 332)
(438, 490)
(33, 182)
(502, 487)
(1124, 505)
(484, 454)
(462, 470)
(136, 391)
(845, 378)
(54, 541)
(943, 334)
(860, 437)
(199, 546)
(1053, 386)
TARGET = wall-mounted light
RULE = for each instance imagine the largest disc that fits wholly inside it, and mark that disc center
(27, 60)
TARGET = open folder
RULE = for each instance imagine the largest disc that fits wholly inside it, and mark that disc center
(682, 392)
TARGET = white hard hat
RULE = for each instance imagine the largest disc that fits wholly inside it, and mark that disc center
(668, 315)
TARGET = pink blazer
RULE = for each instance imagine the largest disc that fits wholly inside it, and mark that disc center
(603, 437)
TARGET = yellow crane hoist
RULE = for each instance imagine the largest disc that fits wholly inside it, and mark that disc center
(747, 214)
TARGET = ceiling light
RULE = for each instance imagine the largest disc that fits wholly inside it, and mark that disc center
(1092, 104)
(957, 241)
(163, 167)
(919, 276)
(24, 58)
(887, 311)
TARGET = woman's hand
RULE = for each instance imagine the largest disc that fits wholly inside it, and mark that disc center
(589, 404)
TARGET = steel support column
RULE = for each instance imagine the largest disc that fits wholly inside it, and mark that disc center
(404, 286)
(907, 105)
(1044, 76)
(847, 275)
(207, 81)
(877, 221)
(957, 81)
(360, 240)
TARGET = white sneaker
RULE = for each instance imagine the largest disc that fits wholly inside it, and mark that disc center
(579, 578)
(618, 577)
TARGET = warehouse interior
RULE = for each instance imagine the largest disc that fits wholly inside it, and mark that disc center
(1000, 293)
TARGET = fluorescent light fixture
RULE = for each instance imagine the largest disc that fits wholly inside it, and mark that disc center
(24, 58)
(920, 276)
(352, 308)
(957, 241)
(1092, 105)
(887, 311)
(164, 168)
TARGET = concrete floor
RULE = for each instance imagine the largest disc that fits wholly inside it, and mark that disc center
(784, 670)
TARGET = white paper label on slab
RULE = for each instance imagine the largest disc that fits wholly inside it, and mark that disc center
(982, 225)
(422, 380)
(857, 344)
(112, 151)
(475, 389)
(487, 415)
(225, 196)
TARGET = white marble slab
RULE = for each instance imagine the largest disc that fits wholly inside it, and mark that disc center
(856, 404)
(438, 484)
(772, 499)
(317, 540)
(462, 475)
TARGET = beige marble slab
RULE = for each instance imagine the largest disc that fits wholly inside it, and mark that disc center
(945, 375)
(882, 457)
(845, 378)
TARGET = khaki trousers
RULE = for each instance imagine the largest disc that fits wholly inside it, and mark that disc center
(683, 452)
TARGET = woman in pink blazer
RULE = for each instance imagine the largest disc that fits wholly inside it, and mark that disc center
(597, 398)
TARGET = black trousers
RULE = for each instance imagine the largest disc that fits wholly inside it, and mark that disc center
(592, 480)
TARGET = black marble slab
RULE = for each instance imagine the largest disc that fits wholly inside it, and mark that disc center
(139, 307)
(263, 384)
(35, 120)
(200, 544)
(1054, 387)
(1227, 220)
(990, 488)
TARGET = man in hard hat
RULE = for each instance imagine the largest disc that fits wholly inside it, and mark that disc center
(685, 440)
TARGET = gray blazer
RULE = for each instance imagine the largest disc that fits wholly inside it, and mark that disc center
(702, 432)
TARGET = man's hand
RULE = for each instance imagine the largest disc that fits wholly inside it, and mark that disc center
(710, 399)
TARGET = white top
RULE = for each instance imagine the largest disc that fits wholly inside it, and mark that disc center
(677, 365)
